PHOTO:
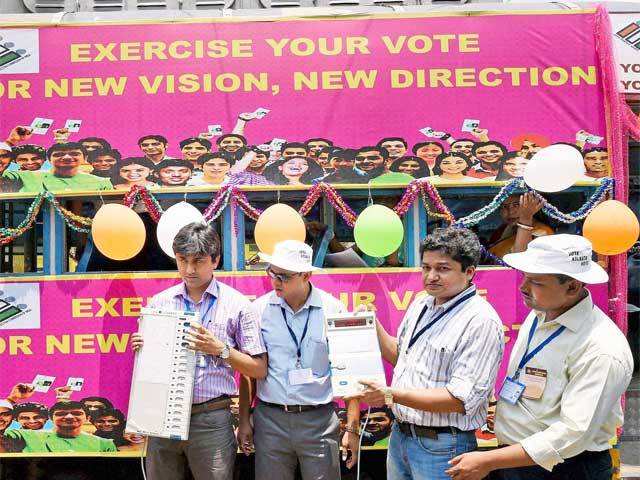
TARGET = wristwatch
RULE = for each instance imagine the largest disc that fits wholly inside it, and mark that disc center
(388, 397)
(224, 354)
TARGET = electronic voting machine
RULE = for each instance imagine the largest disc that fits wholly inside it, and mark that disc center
(354, 351)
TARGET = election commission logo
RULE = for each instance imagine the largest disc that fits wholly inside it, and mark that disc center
(19, 51)
(19, 306)
(630, 34)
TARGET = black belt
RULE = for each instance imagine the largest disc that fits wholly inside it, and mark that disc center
(293, 408)
(422, 431)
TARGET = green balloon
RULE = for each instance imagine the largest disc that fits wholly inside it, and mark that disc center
(392, 178)
(378, 231)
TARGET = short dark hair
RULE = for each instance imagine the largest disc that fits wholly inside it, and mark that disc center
(461, 244)
(418, 146)
(202, 141)
(106, 402)
(174, 162)
(294, 145)
(29, 148)
(486, 144)
(325, 140)
(587, 151)
(105, 145)
(31, 407)
(94, 154)
(381, 150)
(227, 135)
(56, 147)
(393, 139)
(69, 405)
(197, 239)
(459, 140)
(226, 156)
(159, 138)
(344, 153)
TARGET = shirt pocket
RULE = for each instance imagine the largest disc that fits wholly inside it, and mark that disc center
(432, 363)
(319, 358)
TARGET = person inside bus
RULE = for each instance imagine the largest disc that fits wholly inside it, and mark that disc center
(414, 166)
(452, 167)
(133, 171)
(519, 226)
(429, 151)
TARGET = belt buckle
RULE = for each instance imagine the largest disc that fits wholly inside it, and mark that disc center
(290, 409)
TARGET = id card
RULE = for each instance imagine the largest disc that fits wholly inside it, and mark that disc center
(261, 112)
(469, 125)
(73, 125)
(215, 129)
(427, 131)
(75, 383)
(511, 390)
(535, 379)
(40, 126)
(42, 383)
(300, 376)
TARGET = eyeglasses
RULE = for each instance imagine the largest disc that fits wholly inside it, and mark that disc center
(283, 277)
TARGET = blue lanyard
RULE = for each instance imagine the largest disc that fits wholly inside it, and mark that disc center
(206, 312)
(293, 335)
(529, 355)
(415, 336)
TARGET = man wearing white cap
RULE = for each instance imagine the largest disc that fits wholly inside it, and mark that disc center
(560, 403)
(295, 420)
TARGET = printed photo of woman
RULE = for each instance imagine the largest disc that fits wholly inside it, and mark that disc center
(133, 171)
(414, 166)
(293, 171)
(452, 168)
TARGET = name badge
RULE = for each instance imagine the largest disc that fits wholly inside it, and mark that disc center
(300, 376)
(511, 390)
(535, 379)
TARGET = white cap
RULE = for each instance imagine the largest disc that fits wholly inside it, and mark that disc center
(559, 254)
(5, 146)
(6, 404)
(291, 255)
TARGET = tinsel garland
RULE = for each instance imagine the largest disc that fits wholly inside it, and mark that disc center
(140, 192)
(430, 197)
(8, 234)
(336, 201)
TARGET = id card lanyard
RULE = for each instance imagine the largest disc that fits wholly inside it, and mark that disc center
(529, 355)
(293, 335)
(201, 359)
(415, 336)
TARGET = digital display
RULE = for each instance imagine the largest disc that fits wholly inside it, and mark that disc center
(351, 322)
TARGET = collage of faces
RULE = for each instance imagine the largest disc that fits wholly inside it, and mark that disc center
(94, 163)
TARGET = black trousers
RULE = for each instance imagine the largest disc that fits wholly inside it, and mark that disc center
(586, 466)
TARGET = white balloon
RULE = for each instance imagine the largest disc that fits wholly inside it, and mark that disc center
(554, 168)
(172, 220)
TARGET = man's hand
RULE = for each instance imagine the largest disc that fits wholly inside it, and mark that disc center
(19, 134)
(206, 135)
(351, 444)
(63, 394)
(20, 392)
(245, 437)
(469, 466)
(61, 135)
(202, 340)
(373, 394)
(529, 206)
(136, 341)
(482, 134)
(247, 116)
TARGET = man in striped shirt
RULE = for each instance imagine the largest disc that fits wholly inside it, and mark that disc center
(446, 359)
(227, 340)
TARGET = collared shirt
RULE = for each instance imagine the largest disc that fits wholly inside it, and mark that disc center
(589, 366)
(282, 350)
(460, 352)
(478, 172)
(231, 318)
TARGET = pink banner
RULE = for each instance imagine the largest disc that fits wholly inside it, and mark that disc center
(78, 328)
(517, 76)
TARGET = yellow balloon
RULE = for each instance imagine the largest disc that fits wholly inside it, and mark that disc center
(611, 227)
(118, 231)
(277, 223)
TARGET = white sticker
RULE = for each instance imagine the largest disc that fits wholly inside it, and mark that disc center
(42, 383)
(469, 125)
(277, 143)
(427, 131)
(75, 383)
(594, 139)
(41, 125)
(73, 125)
(261, 112)
(215, 129)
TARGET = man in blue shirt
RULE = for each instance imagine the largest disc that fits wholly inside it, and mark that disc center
(295, 420)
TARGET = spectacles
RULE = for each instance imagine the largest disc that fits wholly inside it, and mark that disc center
(283, 277)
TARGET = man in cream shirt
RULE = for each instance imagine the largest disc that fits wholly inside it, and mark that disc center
(560, 403)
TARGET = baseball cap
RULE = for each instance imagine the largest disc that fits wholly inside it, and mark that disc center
(291, 255)
(561, 254)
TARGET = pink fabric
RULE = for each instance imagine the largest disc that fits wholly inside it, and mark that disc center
(633, 122)
(617, 141)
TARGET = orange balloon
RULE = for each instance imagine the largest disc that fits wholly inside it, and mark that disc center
(118, 231)
(277, 223)
(611, 227)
